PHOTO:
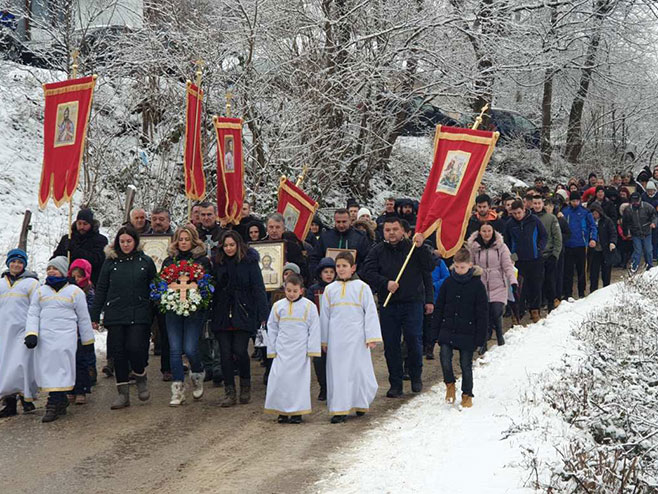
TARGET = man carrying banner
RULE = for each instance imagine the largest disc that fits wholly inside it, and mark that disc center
(410, 300)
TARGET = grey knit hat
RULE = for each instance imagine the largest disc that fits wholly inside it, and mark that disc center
(60, 263)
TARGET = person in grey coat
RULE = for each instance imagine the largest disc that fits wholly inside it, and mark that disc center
(639, 219)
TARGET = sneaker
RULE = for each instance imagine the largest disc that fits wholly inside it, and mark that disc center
(296, 419)
(338, 419)
(360, 414)
(283, 419)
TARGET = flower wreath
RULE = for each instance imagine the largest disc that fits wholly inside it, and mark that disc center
(168, 299)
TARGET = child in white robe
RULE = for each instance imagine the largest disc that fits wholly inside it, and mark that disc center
(16, 362)
(350, 329)
(58, 310)
(293, 331)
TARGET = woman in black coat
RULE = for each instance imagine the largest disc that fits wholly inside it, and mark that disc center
(122, 294)
(601, 258)
(239, 307)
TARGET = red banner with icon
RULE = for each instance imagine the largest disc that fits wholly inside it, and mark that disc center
(230, 169)
(297, 208)
(66, 116)
(460, 158)
(195, 179)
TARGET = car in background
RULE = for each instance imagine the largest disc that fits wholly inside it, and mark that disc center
(424, 117)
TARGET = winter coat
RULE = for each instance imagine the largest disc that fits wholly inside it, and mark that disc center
(607, 235)
(123, 289)
(496, 263)
(554, 241)
(211, 237)
(333, 239)
(564, 230)
(239, 301)
(526, 238)
(474, 223)
(461, 315)
(197, 255)
(653, 201)
(439, 275)
(638, 220)
(582, 226)
(384, 263)
(88, 246)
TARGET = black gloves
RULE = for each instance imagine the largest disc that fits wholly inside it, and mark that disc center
(31, 341)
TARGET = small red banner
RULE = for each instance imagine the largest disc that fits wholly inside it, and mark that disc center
(230, 169)
(195, 180)
(66, 117)
(296, 207)
(460, 158)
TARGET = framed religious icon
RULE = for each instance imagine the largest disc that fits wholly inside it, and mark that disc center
(272, 258)
(67, 117)
(334, 252)
(454, 167)
(155, 246)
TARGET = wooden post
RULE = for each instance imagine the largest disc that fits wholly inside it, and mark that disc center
(130, 199)
(22, 239)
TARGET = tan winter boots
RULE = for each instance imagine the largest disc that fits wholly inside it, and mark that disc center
(467, 401)
(450, 392)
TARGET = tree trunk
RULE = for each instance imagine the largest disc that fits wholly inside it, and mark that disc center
(574, 129)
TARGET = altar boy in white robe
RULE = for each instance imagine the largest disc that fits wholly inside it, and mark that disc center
(58, 310)
(293, 331)
(350, 329)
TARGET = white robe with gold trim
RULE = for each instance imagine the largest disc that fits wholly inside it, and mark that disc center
(56, 317)
(16, 360)
(293, 331)
(348, 317)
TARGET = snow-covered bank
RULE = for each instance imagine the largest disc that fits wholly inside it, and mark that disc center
(428, 446)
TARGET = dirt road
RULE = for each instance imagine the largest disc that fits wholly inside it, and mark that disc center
(196, 448)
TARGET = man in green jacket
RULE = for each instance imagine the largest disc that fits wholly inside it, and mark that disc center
(551, 252)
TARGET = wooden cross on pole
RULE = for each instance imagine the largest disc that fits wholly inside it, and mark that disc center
(183, 285)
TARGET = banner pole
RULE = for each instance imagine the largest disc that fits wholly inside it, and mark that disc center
(74, 74)
(300, 179)
(229, 96)
(74, 67)
(189, 210)
(478, 122)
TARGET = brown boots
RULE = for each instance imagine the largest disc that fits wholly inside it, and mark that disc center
(534, 315)
(467, 401)
(450, 392)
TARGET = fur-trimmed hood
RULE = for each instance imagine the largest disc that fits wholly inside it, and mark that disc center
(477, 271)
(111, 253)
(476, 247)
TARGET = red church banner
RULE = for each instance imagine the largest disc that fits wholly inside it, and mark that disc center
(230, 169)
(195, 180)
(460, 158)
(66, 117)
(296, 207)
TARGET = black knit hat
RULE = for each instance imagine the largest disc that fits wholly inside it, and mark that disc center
(86, 215)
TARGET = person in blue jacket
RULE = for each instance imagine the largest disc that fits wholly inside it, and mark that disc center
(439, 275)
(526, 237)
(583, 234)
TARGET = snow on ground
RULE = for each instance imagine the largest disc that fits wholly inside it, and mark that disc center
(21, 154)
(429, 446)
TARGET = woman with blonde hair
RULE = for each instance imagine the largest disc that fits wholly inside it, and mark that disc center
(183, 330)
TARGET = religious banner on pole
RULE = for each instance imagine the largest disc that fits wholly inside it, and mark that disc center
(296, 207)
(195, 179)
(66, 116)
(460, 158)
(230, 169)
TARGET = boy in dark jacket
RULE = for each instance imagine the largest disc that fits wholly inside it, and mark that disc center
(461, 319)
(325, 274)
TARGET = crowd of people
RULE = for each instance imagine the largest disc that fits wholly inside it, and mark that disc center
(520, 253)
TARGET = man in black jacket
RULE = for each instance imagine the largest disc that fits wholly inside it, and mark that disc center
(341, 236)
(85, 243)
(410, 300)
